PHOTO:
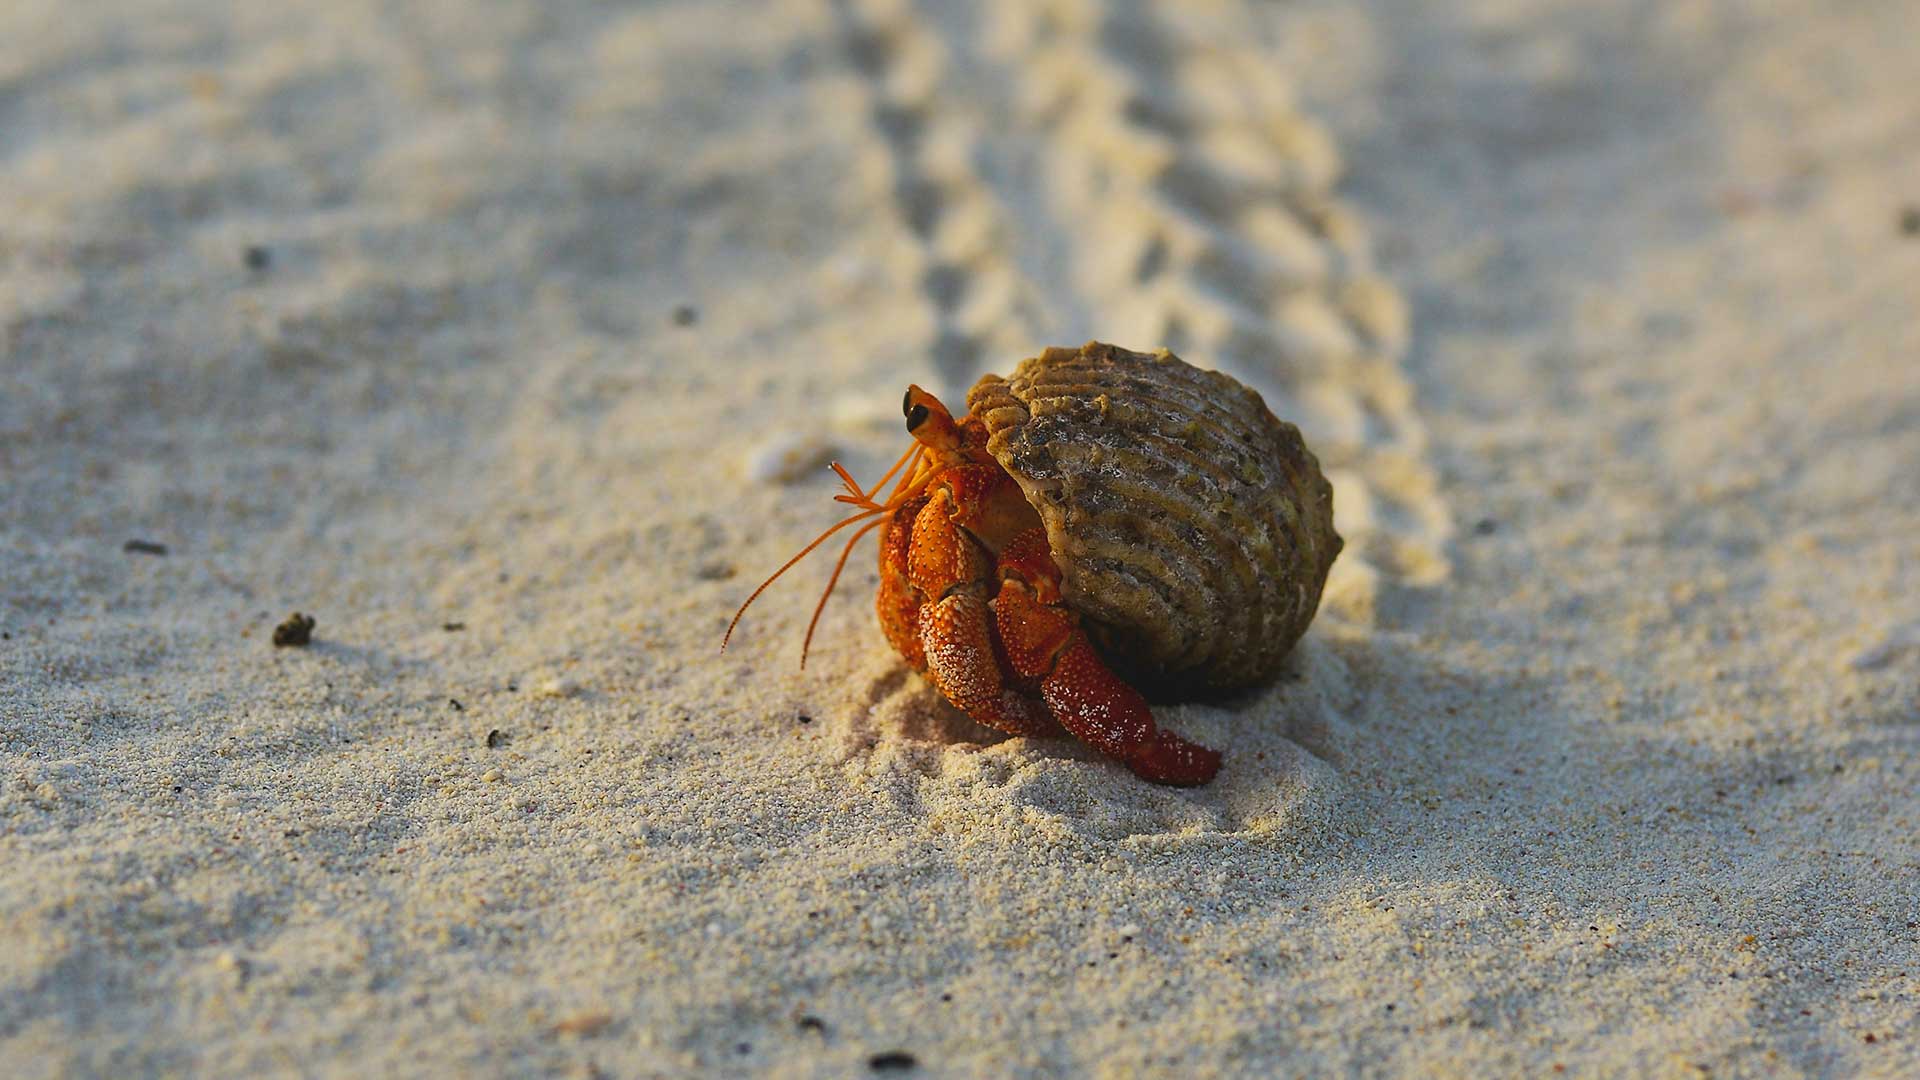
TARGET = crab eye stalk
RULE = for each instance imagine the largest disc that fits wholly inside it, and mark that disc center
(929, 422)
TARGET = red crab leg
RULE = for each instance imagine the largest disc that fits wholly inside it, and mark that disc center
(1043, 640)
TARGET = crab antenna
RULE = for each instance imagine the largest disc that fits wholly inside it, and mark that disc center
(908, 460)
(788, 565)
(919, 455)
(917, 475)
(859, 497)
(831, 582)
(909, 485)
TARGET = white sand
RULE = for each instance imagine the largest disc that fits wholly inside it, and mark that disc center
(1603, 754)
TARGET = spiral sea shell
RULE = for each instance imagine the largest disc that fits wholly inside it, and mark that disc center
(1193, 529)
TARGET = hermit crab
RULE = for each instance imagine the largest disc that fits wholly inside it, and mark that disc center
(1101, 523)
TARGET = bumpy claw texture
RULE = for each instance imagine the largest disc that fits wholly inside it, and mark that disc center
(958, 640)
(897, 603)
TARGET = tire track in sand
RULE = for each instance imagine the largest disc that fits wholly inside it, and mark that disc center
(933, 181)
(1136, 173)
(1204, 207)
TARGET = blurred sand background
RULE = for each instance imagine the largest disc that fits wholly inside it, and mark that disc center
(508, 341)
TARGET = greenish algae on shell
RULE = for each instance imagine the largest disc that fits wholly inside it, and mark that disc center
(1193, 528)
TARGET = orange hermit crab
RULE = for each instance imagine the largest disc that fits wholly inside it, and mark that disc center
(1098, 506)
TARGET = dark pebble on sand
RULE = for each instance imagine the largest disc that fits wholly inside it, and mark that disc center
(686, 315)
(892, 1061)
(144, 547)
(257, 258)
(497, 739)
(297, 630)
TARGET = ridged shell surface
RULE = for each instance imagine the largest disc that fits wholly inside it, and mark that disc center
(1193, 528)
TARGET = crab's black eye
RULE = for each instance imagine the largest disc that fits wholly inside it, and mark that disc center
(906, 403)
(916, 415)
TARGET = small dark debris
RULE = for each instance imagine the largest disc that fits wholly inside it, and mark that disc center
(513, 688)
(743, 1048)
(715, 571)
(455, 702)
(144, 547)
(812, 1023)
(6, 637)
(805, 719)
(257, 257)
(1485, 527)
(289, 833)
(177, 789)
(1783, 779)
(891, 1061)
(1910, 221)
(497, 739)
(297, 630)
(686, 315)
(453, 627)
(1871, 1037)
(1389, 1006)
(946, 997)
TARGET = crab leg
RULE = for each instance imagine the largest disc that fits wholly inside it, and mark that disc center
(1042, 640)
(954, 645)
(896, 601)
(957, 636)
